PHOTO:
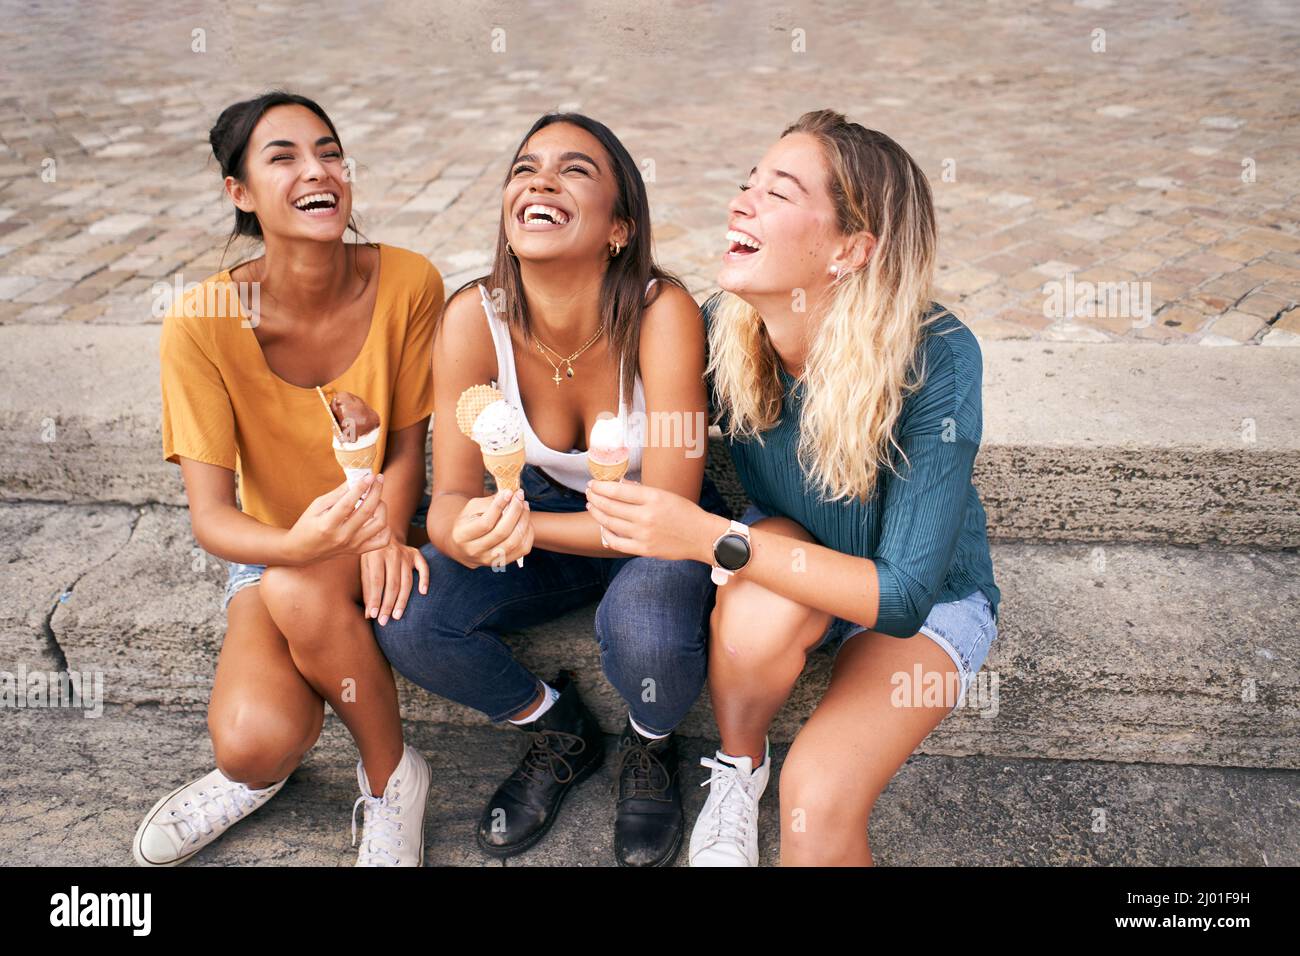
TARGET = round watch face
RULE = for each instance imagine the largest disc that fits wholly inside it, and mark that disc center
(731, 552)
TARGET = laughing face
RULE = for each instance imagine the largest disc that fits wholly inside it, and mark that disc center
(294, 177)
(559, 200)
(782, 227)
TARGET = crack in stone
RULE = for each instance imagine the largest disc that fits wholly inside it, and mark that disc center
(1273, 321)
(47, 626)
(1241, 298)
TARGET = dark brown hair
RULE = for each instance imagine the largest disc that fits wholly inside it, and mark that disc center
(229, 140)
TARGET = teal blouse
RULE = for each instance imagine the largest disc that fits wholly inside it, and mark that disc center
(926, 530)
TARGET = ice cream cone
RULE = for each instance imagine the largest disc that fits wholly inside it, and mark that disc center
(357, 459)
(471, 403)
(506, 467)
(497, 425)
(610, 472)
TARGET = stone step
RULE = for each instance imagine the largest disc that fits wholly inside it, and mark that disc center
(1120, 652)
(76, 789)
(1112, 442)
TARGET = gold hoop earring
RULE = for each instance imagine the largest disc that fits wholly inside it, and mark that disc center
(614, 250)
(509, 251)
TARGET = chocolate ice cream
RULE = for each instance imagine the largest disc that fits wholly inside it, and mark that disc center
(354, 416)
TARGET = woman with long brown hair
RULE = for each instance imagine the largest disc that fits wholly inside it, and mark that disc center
(575, 323)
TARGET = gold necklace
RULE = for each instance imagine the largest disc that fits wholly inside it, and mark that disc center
(564, 360)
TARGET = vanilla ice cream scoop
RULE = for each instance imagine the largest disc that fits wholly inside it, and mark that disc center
(499, 427)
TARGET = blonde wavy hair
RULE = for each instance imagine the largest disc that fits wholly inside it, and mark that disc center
(863, 360)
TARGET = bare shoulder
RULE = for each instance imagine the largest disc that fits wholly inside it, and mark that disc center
(672, 341)
(673, 315)
(463, 337)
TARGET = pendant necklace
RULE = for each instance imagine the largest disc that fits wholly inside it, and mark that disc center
(566, 361)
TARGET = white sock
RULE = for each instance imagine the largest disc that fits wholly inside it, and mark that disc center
(552, 695)
(642, 731)
(735, 761)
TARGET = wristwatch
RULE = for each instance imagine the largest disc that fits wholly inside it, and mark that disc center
(731, 552)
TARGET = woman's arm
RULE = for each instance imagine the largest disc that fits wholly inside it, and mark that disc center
(462, 523)
(220, 528)
(332, 524)
(676, 433)
(922, 517)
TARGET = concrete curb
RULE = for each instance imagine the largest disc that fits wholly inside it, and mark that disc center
(1115, 652)
(1082, 442)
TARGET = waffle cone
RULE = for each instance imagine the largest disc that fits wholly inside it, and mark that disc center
(360, 458)
(613, 472)
(506, 467)
(471, 403)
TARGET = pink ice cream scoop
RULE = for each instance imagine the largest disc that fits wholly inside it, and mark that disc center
(608, 443)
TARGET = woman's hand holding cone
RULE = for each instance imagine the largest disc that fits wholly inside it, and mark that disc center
(343, 521)
(493, 531)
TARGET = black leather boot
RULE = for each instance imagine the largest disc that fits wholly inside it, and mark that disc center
(565, 746)
(648, 821)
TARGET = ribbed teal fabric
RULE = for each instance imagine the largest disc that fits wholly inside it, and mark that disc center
(926, 530)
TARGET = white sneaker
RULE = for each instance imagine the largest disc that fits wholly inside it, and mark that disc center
(192, 816)
(392, 829)
(726, 831)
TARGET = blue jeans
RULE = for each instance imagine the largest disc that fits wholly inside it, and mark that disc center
(241, 576)
(651, 625)
(964, 629)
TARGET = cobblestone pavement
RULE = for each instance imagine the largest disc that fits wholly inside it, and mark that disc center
(1112, 150)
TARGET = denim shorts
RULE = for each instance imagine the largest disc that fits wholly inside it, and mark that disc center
(243, 575)
(965, 629)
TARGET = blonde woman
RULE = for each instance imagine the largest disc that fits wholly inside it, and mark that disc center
(851, 405)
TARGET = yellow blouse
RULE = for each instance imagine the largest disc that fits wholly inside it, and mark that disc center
(222, 404)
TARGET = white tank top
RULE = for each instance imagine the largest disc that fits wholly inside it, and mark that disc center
(569, 468)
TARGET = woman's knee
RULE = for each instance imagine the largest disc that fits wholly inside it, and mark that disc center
(308, 599)
(654, 610)
(254, 743)
(822, 813)
(754, 627)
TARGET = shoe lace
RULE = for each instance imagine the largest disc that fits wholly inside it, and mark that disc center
(220, 803)
(547, 753)
(643, 768)
(381, 834)
(731, 804)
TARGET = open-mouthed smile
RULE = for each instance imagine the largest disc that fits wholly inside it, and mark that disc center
(740, 245)
(318, 205)
(542, 217)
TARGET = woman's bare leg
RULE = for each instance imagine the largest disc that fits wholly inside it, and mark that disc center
(852, 746)
(318, 609)
(263, 716)
(758, 645)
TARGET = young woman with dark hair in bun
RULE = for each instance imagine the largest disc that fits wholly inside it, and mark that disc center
(312, 560)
